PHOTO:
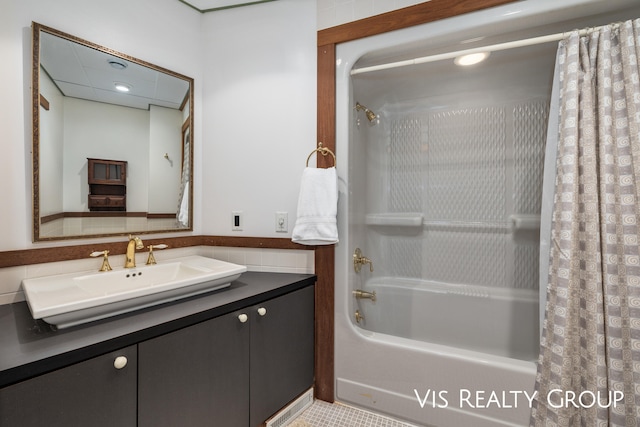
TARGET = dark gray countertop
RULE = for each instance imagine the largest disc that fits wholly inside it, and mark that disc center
(29, 347)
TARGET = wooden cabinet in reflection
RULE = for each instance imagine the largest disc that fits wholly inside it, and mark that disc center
(107, 185)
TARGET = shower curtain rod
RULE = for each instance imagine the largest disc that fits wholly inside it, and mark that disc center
(450, 55)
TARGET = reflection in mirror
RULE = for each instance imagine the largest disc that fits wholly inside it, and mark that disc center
(112, 142)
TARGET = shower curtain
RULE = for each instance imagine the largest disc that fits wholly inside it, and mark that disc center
(589, 364)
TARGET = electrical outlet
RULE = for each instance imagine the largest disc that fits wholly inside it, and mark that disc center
(236, 221)
(282, 222)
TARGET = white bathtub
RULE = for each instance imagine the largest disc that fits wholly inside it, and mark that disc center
(419, 338)
(451, 340)
(463, 316)
(399, 376)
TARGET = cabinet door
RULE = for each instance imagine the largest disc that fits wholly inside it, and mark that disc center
(107, 171)
(197, 376)
(282, 352)
(92, 393)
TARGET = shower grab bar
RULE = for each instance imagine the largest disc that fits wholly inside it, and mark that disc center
(324, 151)
(360, 294)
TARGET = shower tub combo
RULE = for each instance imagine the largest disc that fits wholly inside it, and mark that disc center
(438, 312)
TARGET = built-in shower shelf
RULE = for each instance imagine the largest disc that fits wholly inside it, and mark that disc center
(485, 226)
(416, 219)
(395, 219)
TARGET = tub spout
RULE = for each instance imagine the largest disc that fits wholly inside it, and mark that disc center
(359, 294)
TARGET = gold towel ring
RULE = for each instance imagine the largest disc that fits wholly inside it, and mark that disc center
(324, 151)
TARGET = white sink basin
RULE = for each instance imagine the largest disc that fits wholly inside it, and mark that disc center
(70, 299)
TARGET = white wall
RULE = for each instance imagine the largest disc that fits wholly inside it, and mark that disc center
(163, 32)
(164, 173)
(105, 131)
(337, 12)
(51, 148)
(259, 106)
(255, 98)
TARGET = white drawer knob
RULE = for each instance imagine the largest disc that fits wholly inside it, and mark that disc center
(120, 362)
(262, 311)
(243, 318)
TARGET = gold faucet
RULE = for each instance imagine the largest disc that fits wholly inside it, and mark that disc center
(134, 243)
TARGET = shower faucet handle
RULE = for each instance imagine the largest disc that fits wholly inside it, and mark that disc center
(359, 260)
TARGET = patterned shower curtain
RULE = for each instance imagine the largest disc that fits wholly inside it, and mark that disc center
(589, 364)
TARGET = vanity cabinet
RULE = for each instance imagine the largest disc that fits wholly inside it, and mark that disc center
(195, 375)
(234, 370)
(231, 358)
(282, 352)
(107, 185)
(97, 392)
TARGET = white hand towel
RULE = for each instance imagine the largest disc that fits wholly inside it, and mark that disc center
(317, 208)
(183, 213)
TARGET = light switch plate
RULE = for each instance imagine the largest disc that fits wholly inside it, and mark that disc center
(236, 221)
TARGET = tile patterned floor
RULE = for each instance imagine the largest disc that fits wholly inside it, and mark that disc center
(323, 414)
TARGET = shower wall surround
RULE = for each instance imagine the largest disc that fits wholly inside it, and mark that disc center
(467, 170)
(470, 171)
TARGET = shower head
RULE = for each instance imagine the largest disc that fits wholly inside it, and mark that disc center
(371, 116)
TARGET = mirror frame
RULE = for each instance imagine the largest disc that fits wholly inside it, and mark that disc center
(35, 91)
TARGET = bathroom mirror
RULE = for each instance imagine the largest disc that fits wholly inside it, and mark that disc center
(91, 103)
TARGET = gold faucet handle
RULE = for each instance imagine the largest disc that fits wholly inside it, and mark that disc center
(152, 259)
(359, 260)
(105, 259)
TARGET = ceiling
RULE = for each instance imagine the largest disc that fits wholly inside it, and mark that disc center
(213, 5)
(82, 72)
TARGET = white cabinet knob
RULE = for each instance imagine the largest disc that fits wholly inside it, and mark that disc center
(120, 362)
(262, 311)
(243, 318)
